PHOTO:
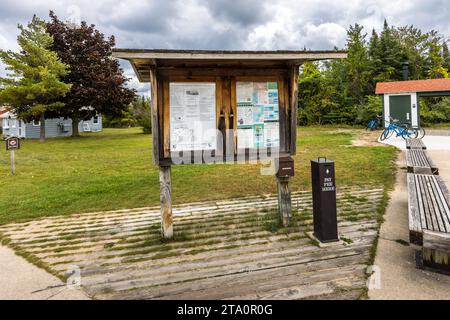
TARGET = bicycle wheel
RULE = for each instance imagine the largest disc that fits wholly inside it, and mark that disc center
(386, 134)
(409, 134)
(421, 133)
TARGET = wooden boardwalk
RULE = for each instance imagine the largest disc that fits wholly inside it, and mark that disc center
(223, 250)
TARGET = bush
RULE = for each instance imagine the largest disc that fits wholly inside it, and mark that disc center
(142, 113)
(433, 111)
(369, 110)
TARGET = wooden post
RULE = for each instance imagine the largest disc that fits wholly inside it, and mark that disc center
(165, 184)
(13, 162)
(284, 200)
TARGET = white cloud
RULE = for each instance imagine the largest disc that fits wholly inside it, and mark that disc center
(226, 24)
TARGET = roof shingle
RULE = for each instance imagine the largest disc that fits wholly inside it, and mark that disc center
(432, 85)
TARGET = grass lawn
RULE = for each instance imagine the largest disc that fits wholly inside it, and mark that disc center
(113, 169)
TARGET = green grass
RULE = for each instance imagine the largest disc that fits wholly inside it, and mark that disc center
(113, 170)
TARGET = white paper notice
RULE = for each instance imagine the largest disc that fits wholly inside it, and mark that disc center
(272, 134)
(244, 92)
(245, 138)
(192, 116)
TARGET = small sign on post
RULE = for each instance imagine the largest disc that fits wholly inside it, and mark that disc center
(12, 144)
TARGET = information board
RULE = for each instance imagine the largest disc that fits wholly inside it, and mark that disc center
(192, 116)
(257, 115)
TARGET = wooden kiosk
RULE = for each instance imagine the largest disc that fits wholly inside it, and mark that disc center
(222, 107)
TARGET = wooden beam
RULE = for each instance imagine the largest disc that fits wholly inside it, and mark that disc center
(294, 72)
(284, 200)
(165, 184)
(219, 55)
(154, 114)
(436, 251)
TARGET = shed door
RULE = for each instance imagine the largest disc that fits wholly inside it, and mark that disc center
(400, 108)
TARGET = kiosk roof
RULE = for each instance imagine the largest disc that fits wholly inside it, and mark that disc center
(144, 59)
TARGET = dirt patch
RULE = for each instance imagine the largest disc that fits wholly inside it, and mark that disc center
(367, 139)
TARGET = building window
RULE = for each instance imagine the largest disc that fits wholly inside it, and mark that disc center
(36, 123)
(14, 123)
(95, 121)
(6, 123)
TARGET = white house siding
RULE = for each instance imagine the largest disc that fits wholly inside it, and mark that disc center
(58, 127)
(10, 127)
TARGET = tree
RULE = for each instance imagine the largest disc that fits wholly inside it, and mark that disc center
(33, 88)
(357, 63)
(414, 47)
(446, 55)
(316, 96)
(436, 61)
(98, 83)
(392, 55)
(142, 113)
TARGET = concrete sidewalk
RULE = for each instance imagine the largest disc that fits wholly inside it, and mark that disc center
(400, 279)
(20, 280)
(432, 142)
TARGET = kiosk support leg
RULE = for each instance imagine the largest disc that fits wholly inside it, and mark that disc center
(165, 184)
(13, 163)
(284, 200)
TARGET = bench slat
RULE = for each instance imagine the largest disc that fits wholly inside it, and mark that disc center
(415, 226)
(440, 207)
(444, 195)
(435, 211)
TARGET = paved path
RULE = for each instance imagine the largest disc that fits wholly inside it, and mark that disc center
(432, 142)
(400, 279)
(20, 280)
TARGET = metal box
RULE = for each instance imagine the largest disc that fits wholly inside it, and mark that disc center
(285, 167)
(324, 200)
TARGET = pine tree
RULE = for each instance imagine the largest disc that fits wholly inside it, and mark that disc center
(358, 63)
(414, 46)
(392, 55)
(33, 88)
(446, 55)
(375, 59)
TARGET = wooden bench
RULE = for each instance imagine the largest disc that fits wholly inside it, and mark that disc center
(429, 219)
(415, 144)
(418, 161)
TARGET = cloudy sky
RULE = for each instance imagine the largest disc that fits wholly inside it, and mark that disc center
(226, 24)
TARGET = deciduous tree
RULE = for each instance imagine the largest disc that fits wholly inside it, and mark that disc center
(98, 83)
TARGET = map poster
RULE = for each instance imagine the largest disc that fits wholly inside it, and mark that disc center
(244, 114)
(257, 115)
(192, 116)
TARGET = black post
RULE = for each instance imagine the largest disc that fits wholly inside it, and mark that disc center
(405, 69)
(324, 200)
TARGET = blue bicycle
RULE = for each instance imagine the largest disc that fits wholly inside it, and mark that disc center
(374, 124)
(401, 130)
